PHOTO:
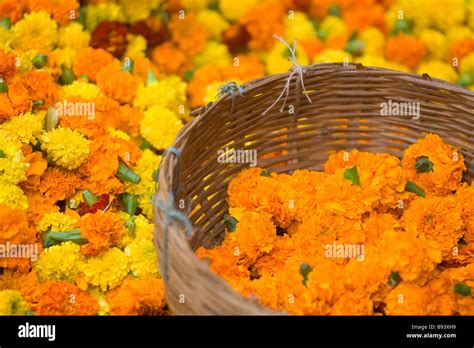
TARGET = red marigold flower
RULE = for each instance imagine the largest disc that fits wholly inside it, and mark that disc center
(110, 36)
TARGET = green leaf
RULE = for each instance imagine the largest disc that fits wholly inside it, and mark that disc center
(2, 154)
(37, 103)
(150, 77)
(462, 289)
(423, 165)
(51, 238)
(264, 172)
(412, 187)
(230, 222)
(305, 269)
(188, 75)
(353, 175)
(394, 278)
(6, 23)
(402, 26)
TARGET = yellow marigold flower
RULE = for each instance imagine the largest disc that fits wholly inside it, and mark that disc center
(143, 258)
(66, 147)
(60, 262)
(144, 229)
(73, 36)
(213, 21)
(6, 38)
(136, 10)
(195, 5)
(81, 89)
(459, 32)
(437, 219)
(62, 56)
(470, 21)
(146, 167)
(214, 53)
(436, 42)
(13, 196)
(105, 271)
(374, 41)
(419, 12)
(169, 93)
(35, 31)
(440, 166)
(439, 69)
(233, 10)
(297, 27)
(59, 222)
(447, 15)
(103, 11)
(12, 163)
(24, 128)
(332, 25)
(12, 303)
(160, 126)
(277, 60)
(118, 134)
(467, 64)
(136, 47)
(104, 308)
(330, 56)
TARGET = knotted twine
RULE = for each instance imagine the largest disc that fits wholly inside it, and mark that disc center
(172, 214)
(295, 69)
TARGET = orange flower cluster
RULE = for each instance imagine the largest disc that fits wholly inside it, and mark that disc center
(367, 236)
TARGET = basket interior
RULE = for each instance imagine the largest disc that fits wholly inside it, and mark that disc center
(345, 113)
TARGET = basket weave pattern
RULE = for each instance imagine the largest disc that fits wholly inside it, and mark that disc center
(344, 114)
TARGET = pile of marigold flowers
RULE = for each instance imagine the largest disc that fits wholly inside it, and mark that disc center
(370, 235)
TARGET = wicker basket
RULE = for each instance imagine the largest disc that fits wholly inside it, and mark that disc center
(345, 113)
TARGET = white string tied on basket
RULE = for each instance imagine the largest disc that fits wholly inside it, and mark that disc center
(295, 69)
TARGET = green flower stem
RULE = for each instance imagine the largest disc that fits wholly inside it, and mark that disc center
(52, 237)
(150, 77)
(264, 172)
(130, 203)
(128, 65)
(89, 197)
(462, 289)
(38, 102)
(230, 222)
(412, 187)
(40, 60)
(130, 226)
(67, 75)
(125, 173)
(305, 270)
(353, 175)
(394, 278)
(423, 165)
(3, 86)
(6, 23)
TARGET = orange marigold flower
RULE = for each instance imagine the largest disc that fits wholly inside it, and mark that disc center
(13, 9)
(110, 36)
(117, 84)
(26, 283)
(406, 50)
(7, 63)
(169, 59)
(41, 86)
(312, 46)
(382, 180)
(433, 165)
(437, 219)
(59, 184)
(415, 300)
(62, 11)
(38, 205)
(37, 167)
(262, 22)
(56, 299)
(16, 101)
(461, 48)
(361, 17)
(188, 34)
(89, 61)
(102, 230)
(138, 297)
(141, 66)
